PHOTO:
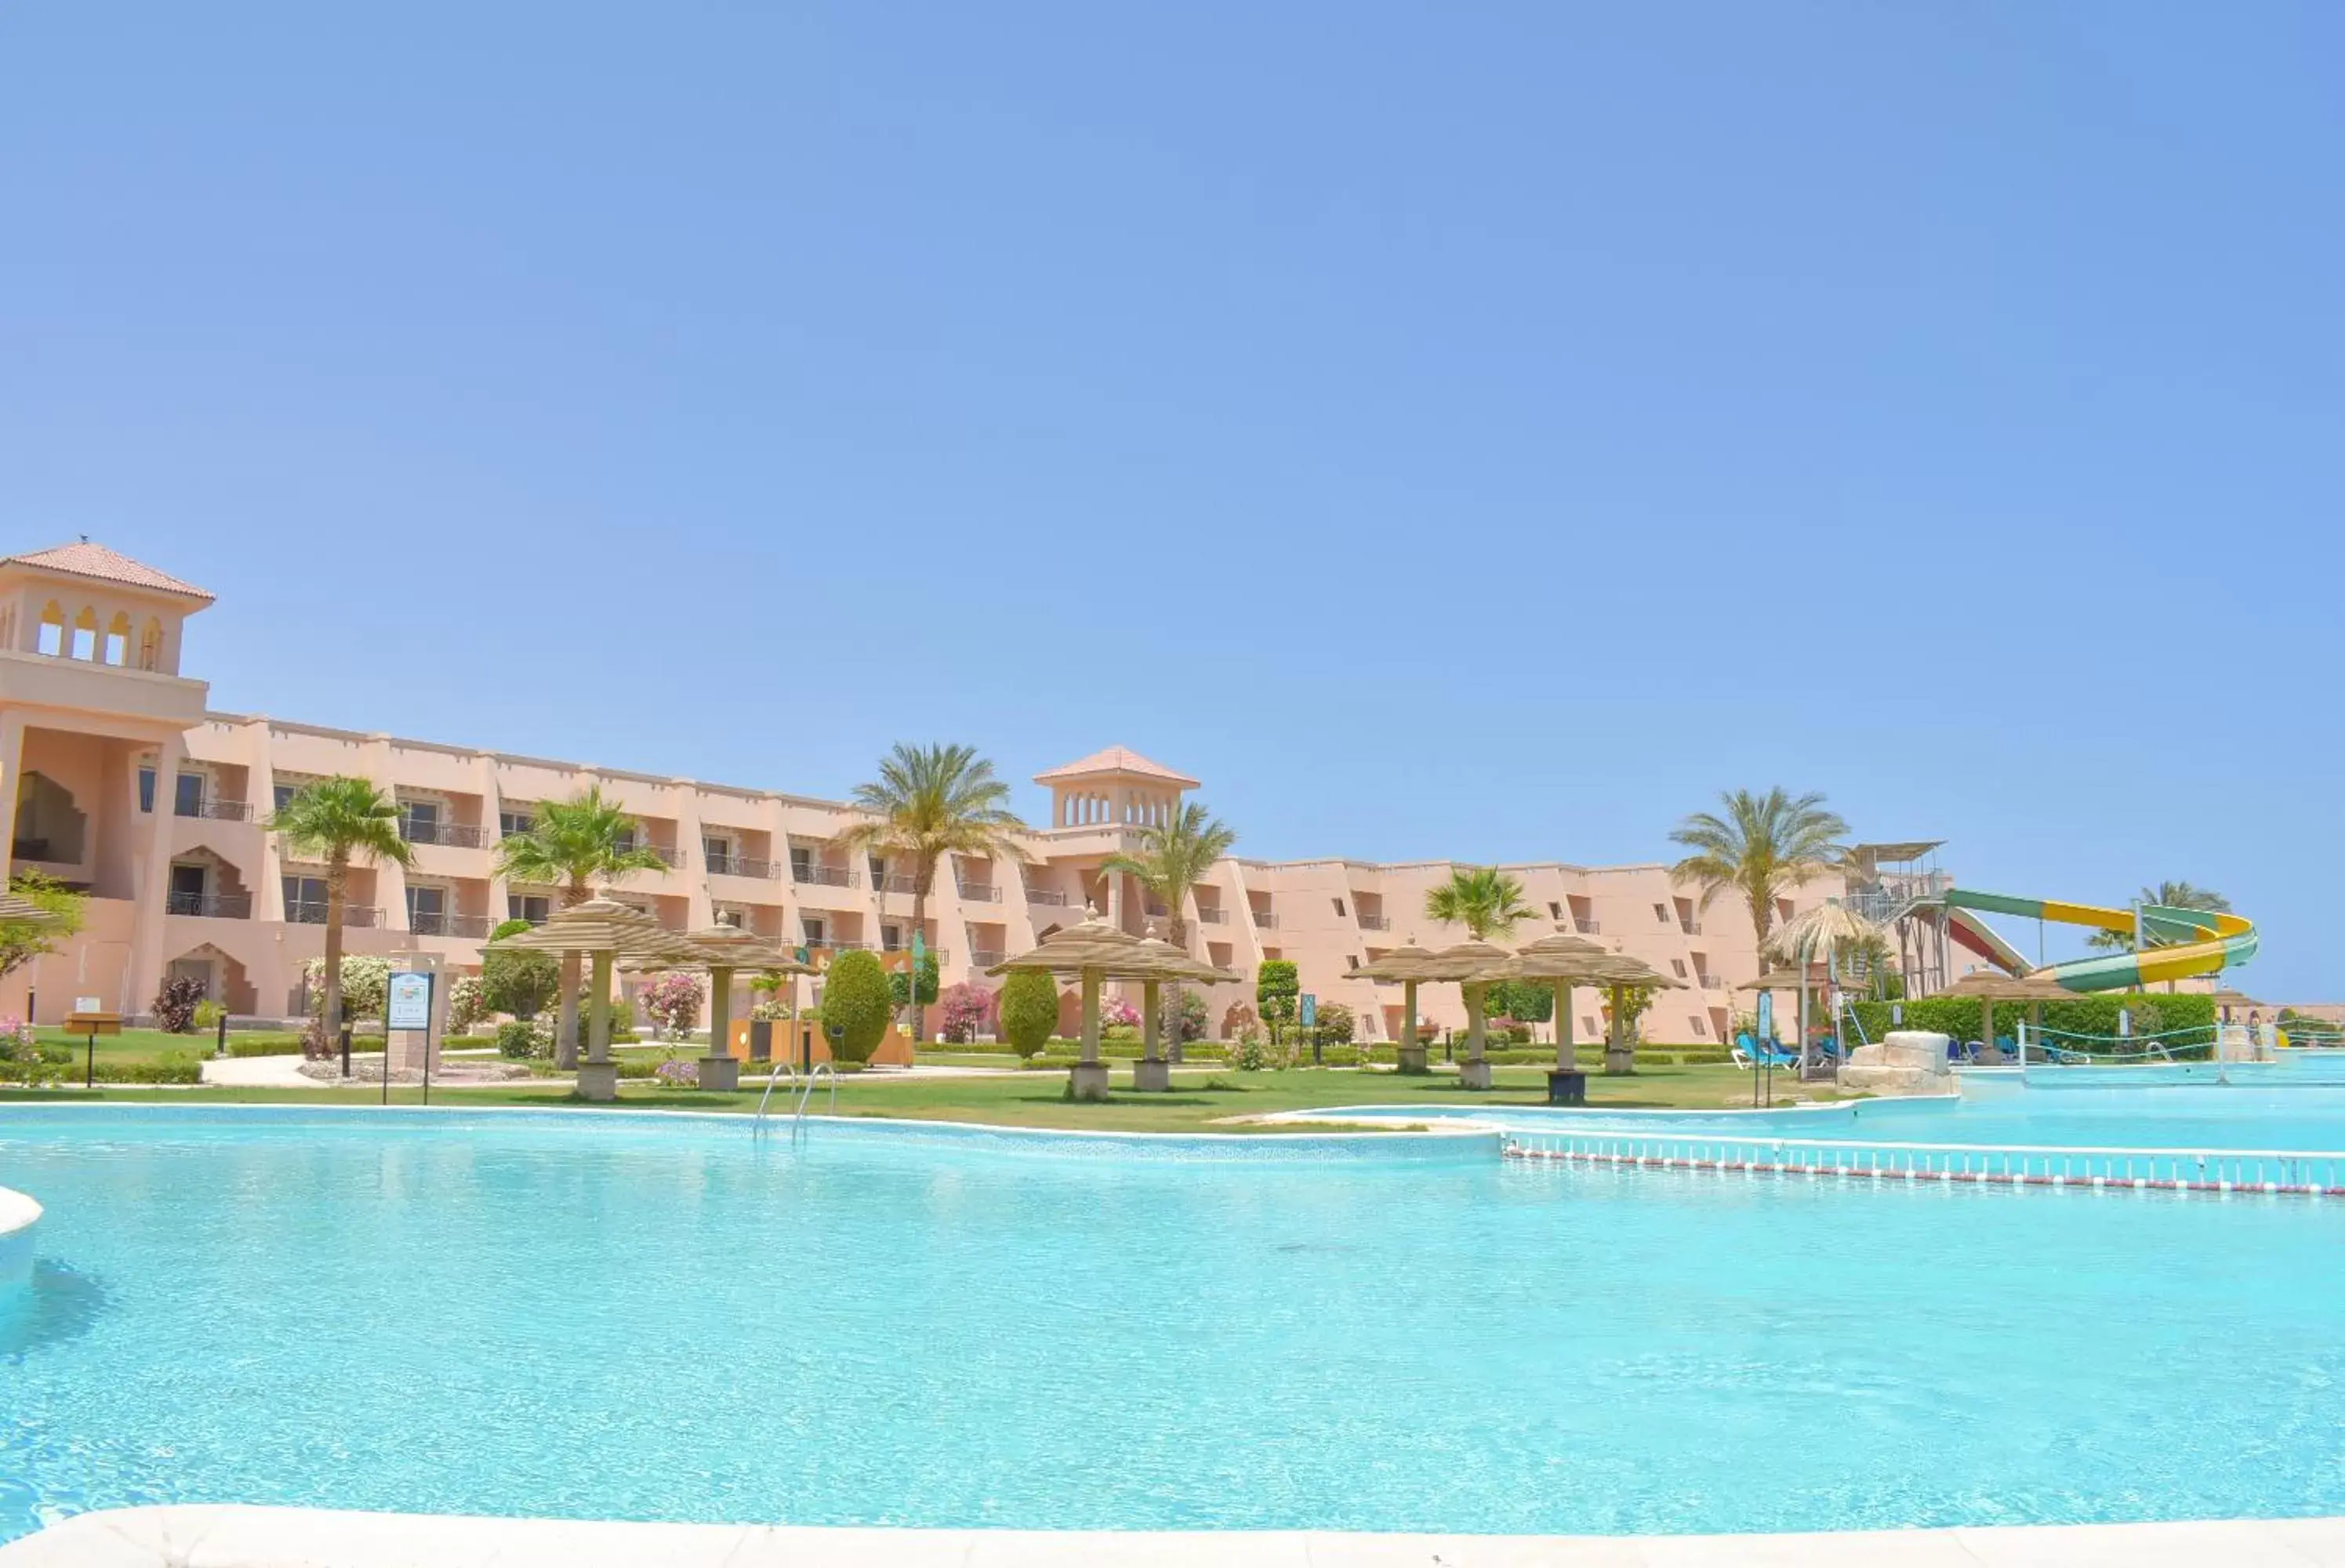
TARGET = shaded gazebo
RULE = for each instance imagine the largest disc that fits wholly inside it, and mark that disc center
(1993, 986)
(1621, 974)
(1094, 952)
(1560, 960)
(1153, 1070)
(1408, 964)
(724, 951)
(1473, 965)
(606, 932)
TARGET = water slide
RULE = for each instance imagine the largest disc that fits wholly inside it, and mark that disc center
(2201, 941)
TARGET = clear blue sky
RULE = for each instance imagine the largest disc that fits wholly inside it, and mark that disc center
(1476, 432)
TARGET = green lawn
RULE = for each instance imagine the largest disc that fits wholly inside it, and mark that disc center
(1199, 1097)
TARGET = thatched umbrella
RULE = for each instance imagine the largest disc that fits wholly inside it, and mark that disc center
(1993, 986)
(1153, 1070)
(1621, 974)
(1473, 963)
(1407, 964)
(606, 931)
(1822, 930)
(1096, 952)
(723, 950)
(1561, 959)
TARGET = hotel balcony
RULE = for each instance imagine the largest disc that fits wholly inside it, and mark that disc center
(454, 835)
(1266, 918)
(741, 866)
(825, 876)
(1375, 923)
(211, 905)
(979, 893)
(1690, 927)
(1586, 926)
(893, 882)
(1049, 895)
(473, 927)
(984, 957)
(217, 810)
(1212, 916)
(355, 916)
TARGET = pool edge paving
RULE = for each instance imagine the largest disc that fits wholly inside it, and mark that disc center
(202, 1536)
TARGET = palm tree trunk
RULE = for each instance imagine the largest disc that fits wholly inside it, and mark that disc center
(336, 874)
(1173, 991)
(920, 882)
(565, 1028)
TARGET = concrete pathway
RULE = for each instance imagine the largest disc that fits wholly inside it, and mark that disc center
(209, 1536)
(269, 1072)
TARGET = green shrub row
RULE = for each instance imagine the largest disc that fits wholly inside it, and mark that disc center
(267, 1045)
(2153, 1012)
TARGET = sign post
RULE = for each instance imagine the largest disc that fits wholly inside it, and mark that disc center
(1307, 1015)
(407, 1007)
(912, 986)
(1763, 1034)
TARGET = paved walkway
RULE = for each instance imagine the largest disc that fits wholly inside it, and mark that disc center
(267, 1072)
(208, 1536)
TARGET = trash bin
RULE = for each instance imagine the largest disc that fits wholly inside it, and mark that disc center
(761, 1039)
(1566, 1088)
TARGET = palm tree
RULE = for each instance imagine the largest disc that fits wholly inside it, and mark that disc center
(574, 844)
(337, 820)
(1485, 900)
(2174, 895)
(929, 802)
(1174, 859)
(1763, 845)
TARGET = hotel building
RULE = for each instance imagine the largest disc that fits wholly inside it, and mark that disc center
(124, 783)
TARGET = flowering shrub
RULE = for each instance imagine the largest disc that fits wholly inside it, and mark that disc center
(672, 1000)
(1115, 1013)
(366, 980)
(1192, 1016)
(175, 1005)
(468, 1004)
(968, 1010)
(1238, 1018)
(526, 1039)
(16, 1040)
(671, 1074)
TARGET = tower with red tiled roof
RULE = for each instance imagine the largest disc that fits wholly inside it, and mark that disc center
(1116, 786)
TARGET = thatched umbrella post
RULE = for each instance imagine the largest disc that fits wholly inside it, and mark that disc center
(1152, 1073)
(1407, 964)
(1621, 974)
(1559, 960)
(1097, 952)
(1473, 965)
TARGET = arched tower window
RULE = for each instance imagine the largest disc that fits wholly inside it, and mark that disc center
(52, 639)
(151, 645)
(118, 640)
(85, 635)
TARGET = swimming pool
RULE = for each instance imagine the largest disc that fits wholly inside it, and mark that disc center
(654, 1317)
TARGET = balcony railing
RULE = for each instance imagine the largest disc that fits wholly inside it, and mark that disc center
(1212, 916)
(354, 916)
(1586, 926)
(217, 809)
(825, 876)
(1710, 982)
(1046, 896)
(894, 883)
(1375, 923)
(985, 957)
(454, 835)
(472, 926)
(979, 892)
(1690, 927)
(212, 906)
(1265, 917)
(943, 955)
(1153, 911)
(835, 944)
(740, 866)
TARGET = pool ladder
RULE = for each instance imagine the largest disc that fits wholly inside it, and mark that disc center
(821, 1071)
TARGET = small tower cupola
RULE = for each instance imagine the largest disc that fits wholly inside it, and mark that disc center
(1116, 788)
(85, 602)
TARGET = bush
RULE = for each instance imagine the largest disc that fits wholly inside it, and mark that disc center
(175, 1004)
(674, 1001)
(1030, 1010)
(1277, 986)
(1238, 1019)
(526, 1039)
(264, 1046)
(1334, 1025)
(855, 1006)
(209, 1014)
(1526, 1000)
(524, 984)
(2153, 1012)
(1192, 1021)
(170, 1068)
(968, 1010)
(467, 1042)
(366, 981)
(671, 1074)
(896, 983)
(467, 1003)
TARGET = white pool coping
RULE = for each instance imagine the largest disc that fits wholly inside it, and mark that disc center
(236, 1536)
(18, 1214)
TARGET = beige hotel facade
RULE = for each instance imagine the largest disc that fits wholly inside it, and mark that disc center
(125, 783)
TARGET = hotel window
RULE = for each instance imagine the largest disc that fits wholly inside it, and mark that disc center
(188, 795)
(418, 821)
(514, 823)
(146, 789)
(305, 900)
(282, 795)
(1679, 964)
(718, 852)
(533, 907)
(1700, 1031)
(427, 910)
(1661, 912)
(891, 937)
(1554, 910)
(801, 862)
(812, 928)
(1339, 907)
(628, 840)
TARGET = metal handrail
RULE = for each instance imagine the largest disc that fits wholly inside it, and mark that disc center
(821, 1070)
(774, 1069)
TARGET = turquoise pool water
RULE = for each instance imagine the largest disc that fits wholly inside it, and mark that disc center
(653, 1318)
(2195, 1116)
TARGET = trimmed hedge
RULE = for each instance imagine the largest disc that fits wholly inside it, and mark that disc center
(258, 1044)
(2154, 1012)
